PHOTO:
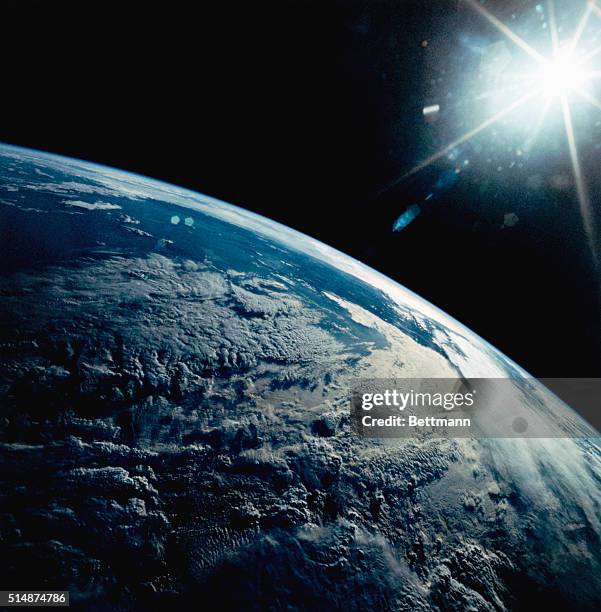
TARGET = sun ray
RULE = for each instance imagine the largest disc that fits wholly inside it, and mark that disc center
(581, 191)
(510, 34)
(467, 136)
(553, 26)
(581, 26)
(594, 7)
(590, 55)
(589, 98)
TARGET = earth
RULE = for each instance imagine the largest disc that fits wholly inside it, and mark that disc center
(174, 384)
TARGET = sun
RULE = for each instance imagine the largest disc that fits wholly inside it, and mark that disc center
(562, 74)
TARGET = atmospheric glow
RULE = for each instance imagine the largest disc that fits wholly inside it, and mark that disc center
(563, 74)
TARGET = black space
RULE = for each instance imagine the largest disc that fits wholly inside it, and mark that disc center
(303, 111)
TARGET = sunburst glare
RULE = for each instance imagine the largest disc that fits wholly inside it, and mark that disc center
(538, 83)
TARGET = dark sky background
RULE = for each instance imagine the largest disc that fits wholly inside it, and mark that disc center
(304, 111)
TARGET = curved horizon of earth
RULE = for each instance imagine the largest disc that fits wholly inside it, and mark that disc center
(174, 384)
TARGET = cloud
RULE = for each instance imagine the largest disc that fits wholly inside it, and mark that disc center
(92, 205)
